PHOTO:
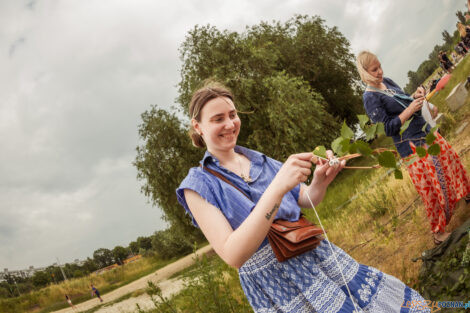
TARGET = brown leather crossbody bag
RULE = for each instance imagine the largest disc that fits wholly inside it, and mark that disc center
(287, 239)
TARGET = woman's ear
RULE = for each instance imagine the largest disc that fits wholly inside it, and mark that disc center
(196, 126)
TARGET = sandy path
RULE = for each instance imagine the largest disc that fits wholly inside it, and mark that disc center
(160, 276)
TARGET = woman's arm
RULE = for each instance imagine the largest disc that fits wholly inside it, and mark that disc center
(235, 247)
(377, 113)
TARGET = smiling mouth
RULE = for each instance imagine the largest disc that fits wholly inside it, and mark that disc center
(228, 135)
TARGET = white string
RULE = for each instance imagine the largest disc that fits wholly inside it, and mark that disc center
(334, 254)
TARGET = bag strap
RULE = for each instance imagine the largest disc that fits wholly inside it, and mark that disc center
(222, 177)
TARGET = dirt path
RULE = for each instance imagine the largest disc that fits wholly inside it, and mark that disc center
(160, 276)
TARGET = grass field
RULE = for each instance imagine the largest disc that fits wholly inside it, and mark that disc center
(52, 298)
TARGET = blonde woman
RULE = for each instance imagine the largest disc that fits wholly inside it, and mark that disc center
(236, 225)
(440, 180)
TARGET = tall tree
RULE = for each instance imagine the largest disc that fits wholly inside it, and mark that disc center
(302, 47)
(103, 257)
(162, 162)
(461, 17)
(448, 40)
(297, 78)
(120, 254)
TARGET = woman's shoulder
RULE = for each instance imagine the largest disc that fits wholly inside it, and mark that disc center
(195, 175)
(389, 82)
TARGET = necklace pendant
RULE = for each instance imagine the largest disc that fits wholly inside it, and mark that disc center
(246, 179)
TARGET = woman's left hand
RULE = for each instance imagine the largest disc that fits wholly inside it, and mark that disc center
(324, 173)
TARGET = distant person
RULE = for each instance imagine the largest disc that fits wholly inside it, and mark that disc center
(445, 62)
(463, 47)
(440, 180)
(69, 301)
(434, 84)
(96, 292)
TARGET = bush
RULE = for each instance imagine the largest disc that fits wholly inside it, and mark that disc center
(169, 243)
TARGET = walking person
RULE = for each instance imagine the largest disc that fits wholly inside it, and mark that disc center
(69, 301)
(441, 180)
(235, 194)
(95, 292)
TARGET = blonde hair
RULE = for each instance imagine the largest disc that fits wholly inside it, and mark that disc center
(363, 61)
(211, 90)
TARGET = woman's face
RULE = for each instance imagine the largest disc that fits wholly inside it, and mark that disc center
(375, 69)
(219, 124)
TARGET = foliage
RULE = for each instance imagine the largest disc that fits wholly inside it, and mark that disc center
(162, 162)
(120, 254)
(41, 279)
(460, 17)
(51, 297)
(103, 257)
(212, 286)
(279, 72)
(170, 243)
(386, 158)
(243, 61)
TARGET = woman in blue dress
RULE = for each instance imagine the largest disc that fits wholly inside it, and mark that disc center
(440, 180)
(237, 227)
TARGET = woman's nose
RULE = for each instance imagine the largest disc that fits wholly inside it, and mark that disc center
(229, 124)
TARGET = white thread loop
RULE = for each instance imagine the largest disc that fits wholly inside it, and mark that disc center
(334, 254)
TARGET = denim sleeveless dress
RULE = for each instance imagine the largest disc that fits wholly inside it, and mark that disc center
(310, 282)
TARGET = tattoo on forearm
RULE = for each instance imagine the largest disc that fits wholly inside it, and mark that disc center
(268, 215)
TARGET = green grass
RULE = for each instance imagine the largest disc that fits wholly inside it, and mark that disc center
(51, 298)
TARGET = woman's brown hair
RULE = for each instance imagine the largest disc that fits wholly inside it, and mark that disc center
(211, 90)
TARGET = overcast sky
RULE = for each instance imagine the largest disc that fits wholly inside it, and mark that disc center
(76, 75)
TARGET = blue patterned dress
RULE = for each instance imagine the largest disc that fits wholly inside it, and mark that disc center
(310, 282)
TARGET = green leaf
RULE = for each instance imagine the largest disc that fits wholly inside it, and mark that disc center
(434, 129)
(346, 132)
(344, 146)
(363, 119)
(352, 148)
(363, 148)
(421, 152)
(387, 159)
(430, 138)
(405, 126)
(336, 145)
(398, 174)
(435, 149)
(380, 129)
(320, 151)
(370, 132)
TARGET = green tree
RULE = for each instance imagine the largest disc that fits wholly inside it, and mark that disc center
(448, 39)
(298, 78)
(89, 265)
(303, 47)
(103, 257)
(120, 254)
(41, 279)
(162, 163)
(461, 17)
(170, 243)
(144, 242)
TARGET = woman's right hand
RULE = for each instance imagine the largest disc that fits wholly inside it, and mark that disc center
(295, 170)
(416, 105)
